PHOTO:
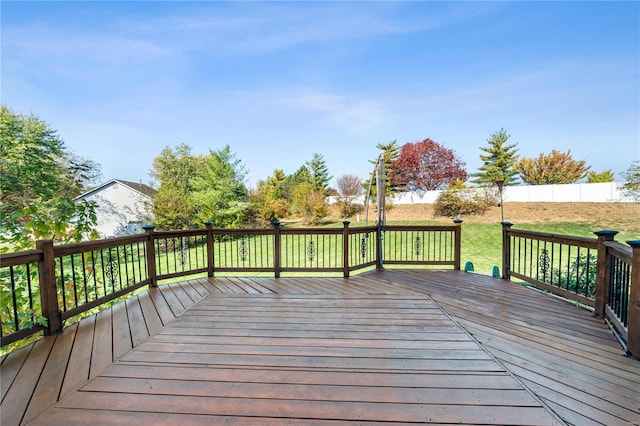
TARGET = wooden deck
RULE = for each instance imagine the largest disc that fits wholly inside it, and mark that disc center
(386, 347)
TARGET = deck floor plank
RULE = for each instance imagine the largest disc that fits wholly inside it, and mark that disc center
(121, 331)
(376, 366)
(137, 323)
(162, 306)
(11, 365)
(47, 391)
(102, 347)
(386, 347)
(19, 395)
(151, 316)
(80, 359)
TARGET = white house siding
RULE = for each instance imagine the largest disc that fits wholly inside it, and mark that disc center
(120, 209)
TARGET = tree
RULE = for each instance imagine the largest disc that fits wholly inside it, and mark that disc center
(173, 206)
(425, 166)
(390, 152)
(631, 185)
(309, 203)
(40, 178)
(555, 168)
(499, 160)
(319, 173)
(595, 177)
(219, 191)
(349, 187)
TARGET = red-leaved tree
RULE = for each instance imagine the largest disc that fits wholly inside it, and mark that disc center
(425, 166)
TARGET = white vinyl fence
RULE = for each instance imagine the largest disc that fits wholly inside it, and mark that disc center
(609, 192)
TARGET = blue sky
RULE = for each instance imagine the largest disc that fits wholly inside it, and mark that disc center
(279, 81)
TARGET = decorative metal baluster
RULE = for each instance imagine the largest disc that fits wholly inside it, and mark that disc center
(243, 250)
(544, 263)
(311, 251)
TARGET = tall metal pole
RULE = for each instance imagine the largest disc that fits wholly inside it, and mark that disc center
(380, 195)
(500, 184)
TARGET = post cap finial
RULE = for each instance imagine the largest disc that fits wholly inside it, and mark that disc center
(634, 243)
(606, 233)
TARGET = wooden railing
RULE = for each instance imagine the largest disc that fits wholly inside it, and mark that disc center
(598, 272)
(44, 287)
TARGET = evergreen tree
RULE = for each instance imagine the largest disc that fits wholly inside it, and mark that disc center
(390, 152)
(219, 191)
(319, 173)
(499, 161)
(600, 177)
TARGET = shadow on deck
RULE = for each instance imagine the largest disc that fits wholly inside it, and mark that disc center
(394, 346)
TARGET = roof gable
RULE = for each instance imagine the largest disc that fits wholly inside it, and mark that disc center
(141, 188)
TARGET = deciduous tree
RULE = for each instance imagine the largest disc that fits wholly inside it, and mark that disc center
(554, 168)
(40, 178)
(631, 185)
(499, 160)
(425, 166)
(173, 206)
(349, 187)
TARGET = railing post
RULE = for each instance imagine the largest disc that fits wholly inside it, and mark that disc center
(276, 248)
(602, 272)
(345, 249)
(210, 262)
(48, 292)
(151, 256)
(458, 244)
(633, 327)
(506, 250)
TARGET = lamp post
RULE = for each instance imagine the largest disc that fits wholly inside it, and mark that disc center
(500, 184)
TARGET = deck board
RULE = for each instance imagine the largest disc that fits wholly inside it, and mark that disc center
(375, 360)
(80, 358)
(397, 346)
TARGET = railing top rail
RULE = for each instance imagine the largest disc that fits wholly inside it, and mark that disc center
(620, 250)
(421, 227)
(559, 238)
(181, 233)
(85, 246)
(242, 231)
(311, 231)
(20, 257)
(362, 229)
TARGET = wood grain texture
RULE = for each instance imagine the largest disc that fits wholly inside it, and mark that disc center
(381, 347)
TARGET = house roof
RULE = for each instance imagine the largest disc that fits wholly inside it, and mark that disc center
(138, 187)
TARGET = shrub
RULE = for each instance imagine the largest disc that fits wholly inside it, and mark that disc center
(458, 200)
